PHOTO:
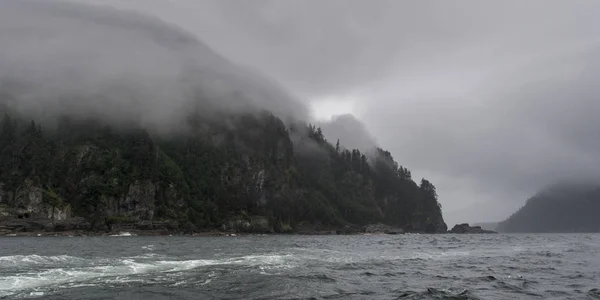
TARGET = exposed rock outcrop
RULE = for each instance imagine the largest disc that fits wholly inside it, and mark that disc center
(30, 201)
(254, 224)
(382, 228)
(466, 228)
(139, 202)
(426, 227)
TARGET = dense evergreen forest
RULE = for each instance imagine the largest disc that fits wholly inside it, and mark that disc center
(246, 170)
(559, 208)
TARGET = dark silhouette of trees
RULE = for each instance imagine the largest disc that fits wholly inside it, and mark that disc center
(250, 164)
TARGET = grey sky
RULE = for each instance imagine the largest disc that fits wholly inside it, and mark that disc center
(489, 100)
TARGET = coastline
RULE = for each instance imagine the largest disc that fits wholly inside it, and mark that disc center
(195, 234)
(374, 229)
(206, 233)
(79, 227)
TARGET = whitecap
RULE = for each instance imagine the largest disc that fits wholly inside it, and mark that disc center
(24, 260)
(115, 270)
(148, 247)
(123, 234)
(456, 253)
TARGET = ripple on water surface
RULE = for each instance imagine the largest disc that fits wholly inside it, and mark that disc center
(302, 267)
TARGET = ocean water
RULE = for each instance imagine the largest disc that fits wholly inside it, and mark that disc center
(548, 266)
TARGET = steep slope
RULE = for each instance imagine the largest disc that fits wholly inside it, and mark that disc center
(252, 174)
(563, 207)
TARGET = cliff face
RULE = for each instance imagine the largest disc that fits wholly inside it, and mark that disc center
(255, 174)
(27, 201)
(560, 208)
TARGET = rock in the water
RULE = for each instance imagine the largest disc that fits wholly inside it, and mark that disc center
(466, 228)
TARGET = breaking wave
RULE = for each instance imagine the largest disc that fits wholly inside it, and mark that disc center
(302, 267)
(39, 272)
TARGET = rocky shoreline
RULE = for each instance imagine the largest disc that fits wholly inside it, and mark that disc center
(81, 227)
(256, 226)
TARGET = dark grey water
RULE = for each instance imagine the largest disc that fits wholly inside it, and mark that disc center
(302, 267)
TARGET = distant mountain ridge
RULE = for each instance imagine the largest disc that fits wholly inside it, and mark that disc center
(563, 207)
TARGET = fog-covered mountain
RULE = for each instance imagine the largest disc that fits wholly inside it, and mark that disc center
(111, 119)
(564, 207)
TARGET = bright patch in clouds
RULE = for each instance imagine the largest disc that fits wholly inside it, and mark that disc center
(322, 109)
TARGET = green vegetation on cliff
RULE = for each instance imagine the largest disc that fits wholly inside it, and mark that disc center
(238, 168)
(559, 208)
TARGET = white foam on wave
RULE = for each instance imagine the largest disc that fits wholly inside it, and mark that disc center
(148, 256)
(67, 277)
(377, 257)
(438, 255)
(120, 270)
(148, 247)
(178, 283)
(24, 260)
(123, 234)
(455, 253)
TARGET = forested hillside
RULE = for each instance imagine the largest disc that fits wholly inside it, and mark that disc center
(248, 172)
(559, 208)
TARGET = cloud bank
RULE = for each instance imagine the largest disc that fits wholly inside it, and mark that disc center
(86, 60)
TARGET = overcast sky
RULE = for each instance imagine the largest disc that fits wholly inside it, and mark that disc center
(489, 100)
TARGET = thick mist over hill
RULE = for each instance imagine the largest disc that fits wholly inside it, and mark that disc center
(350, 131)
(84, 92)
(570, 206)
(90, 61)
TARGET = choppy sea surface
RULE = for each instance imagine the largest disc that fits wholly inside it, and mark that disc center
(544, 266)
